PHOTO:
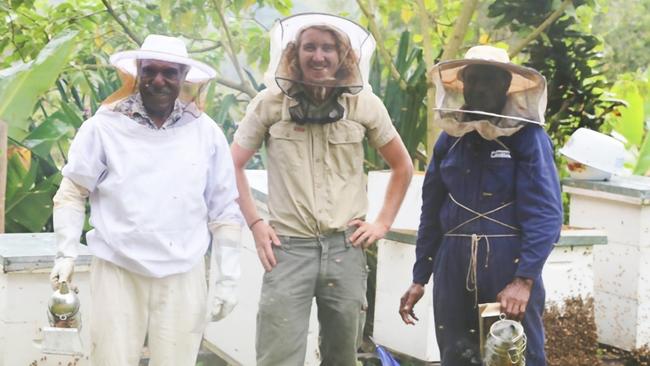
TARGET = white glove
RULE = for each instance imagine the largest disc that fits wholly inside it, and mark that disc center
(225, 268)
(62, 271)
(69, 214)
(223, 301)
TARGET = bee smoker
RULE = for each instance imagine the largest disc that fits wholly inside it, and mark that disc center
(62, 336)
(505, 344)
(502, 341)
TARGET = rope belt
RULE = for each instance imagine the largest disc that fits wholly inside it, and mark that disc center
(470, 279)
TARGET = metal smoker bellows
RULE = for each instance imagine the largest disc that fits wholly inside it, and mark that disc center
(62, 336)
(505, 344)
(63, 308)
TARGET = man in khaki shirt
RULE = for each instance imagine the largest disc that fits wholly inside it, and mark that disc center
(313, 124)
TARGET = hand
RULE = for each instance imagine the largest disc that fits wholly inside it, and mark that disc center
(223, 302)
(367, 233)
(265, 236)
(62, 272)
(408, 301)
(514, 298)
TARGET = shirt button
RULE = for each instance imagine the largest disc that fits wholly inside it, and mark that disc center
(318, 160)
(468, 171)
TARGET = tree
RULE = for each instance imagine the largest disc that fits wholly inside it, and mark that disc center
(568, 57)
(412, 36)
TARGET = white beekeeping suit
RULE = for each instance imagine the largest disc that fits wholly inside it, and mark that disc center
(159, 197)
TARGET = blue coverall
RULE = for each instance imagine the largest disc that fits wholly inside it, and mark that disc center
(514, 183)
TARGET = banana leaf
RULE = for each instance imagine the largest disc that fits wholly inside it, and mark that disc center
(22, 85)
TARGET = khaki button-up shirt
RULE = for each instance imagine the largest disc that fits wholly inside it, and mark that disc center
(315, 171)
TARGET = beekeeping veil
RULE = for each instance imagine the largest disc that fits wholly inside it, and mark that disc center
(315, 83)
(525, 98)
(161, 48)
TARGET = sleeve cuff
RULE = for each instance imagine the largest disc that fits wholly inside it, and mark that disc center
(527, 274)
(385, 138)
(421, 278)
(247, 143)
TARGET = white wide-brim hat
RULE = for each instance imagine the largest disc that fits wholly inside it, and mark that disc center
(163, 48)
(523, 78)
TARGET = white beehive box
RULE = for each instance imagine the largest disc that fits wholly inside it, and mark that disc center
(621, 207)
(395, 258)
(25, 290)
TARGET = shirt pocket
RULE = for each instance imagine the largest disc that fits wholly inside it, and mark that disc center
(498, 181)
(345, 144)
(454, 173)
(287, 143)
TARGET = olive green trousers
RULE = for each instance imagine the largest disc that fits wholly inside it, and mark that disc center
(328, 268)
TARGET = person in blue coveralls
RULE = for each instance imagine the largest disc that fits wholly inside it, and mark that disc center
(491, 204)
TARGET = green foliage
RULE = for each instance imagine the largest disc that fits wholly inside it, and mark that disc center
(23, 84)
(31, 183)
(624, 25)
(632, 120)
(217, 31)
(629, 121)
(569, 59)
(32, 174)
(642, 166)
(406, 108)
(49, 85)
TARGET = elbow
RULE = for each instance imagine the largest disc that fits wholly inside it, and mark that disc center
(404, 170)
(71, 195)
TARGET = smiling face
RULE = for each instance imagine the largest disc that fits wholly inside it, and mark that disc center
(159, 83)
(318, 56)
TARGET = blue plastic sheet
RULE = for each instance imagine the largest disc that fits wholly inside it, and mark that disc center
(385, 357)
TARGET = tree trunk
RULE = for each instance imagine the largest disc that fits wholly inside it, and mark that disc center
(455, 40)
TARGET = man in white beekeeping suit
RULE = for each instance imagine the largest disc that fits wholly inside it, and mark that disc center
(160, 179)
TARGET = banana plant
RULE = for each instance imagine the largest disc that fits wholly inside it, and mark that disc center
(32, 175)
(632, 121)
(22, 85)
(406, 108)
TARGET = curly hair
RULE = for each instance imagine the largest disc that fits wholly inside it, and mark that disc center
(348, 71)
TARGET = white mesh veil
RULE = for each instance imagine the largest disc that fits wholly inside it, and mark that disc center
(355, 48)
(526, 97)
